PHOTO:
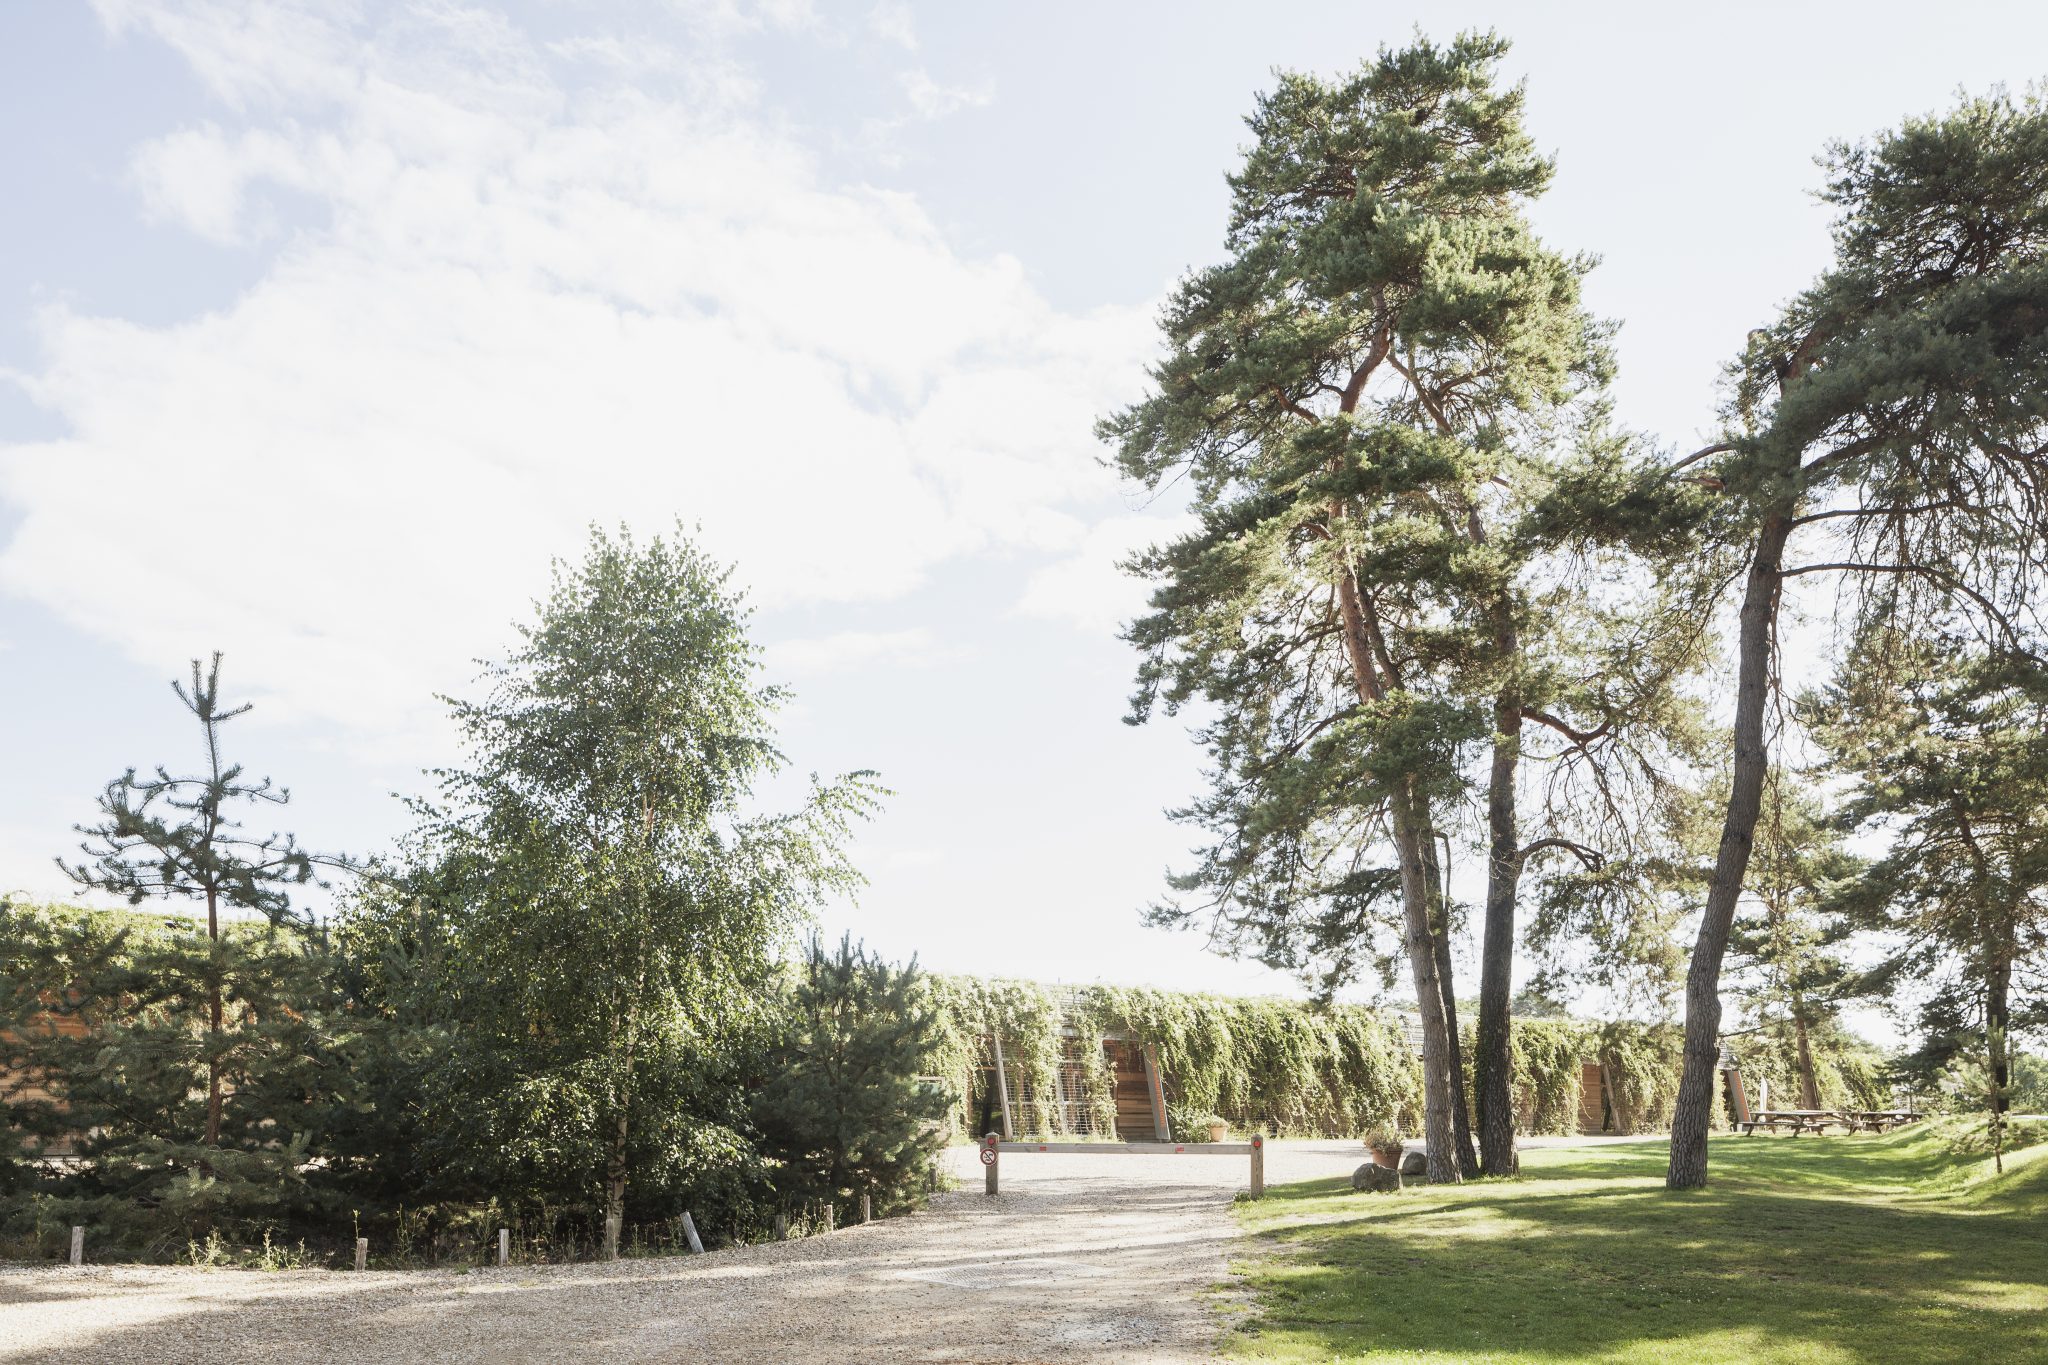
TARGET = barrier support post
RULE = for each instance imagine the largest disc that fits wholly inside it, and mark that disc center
(990, 1154)
(1258, 1165)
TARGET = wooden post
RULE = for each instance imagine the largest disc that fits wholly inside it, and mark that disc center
(781, 1227)
(504, 1246)
(990, 1155)
(831, 1217)
(1258, 1165)
(690, 1231)
(611, 1236)
(1155, 1090)
(867, 1212)
(362, 1253)
(77, 1245)
(1003, 1088)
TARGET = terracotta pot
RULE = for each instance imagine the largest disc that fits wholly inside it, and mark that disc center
(1390, 1158)
(1218, 1131)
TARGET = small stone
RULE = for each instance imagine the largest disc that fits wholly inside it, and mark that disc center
(1375, 1178)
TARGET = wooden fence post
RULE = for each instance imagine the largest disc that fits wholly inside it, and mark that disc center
(611, 1236)
(867, 1212)
(1258, 1165)
(690, 1231)
(362, 1253)
(781, 1226)
(991, 1153)
(831, 1217)
(504, 1246)
(77, 1245)
(1002, 1085)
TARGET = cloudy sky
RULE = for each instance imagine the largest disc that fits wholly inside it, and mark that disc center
(324, 324)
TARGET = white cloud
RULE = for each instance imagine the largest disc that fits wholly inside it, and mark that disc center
(527, 305)
(849, 649)
(1086, 588)
(932, 100)
(891, 21)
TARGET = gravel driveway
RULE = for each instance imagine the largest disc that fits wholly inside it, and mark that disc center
(1082, 1258)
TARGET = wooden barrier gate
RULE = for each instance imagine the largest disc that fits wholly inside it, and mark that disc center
(993, 1146)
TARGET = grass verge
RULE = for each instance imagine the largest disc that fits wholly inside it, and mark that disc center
(1899, 1247)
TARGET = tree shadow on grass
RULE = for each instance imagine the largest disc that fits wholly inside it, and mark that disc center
(1563, 1267)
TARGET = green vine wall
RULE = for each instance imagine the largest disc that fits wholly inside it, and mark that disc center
(1299, 1070)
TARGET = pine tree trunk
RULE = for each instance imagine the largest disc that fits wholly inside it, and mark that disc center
(1756, 638)
(215, 1019)
(1446, 976)
(1439, 1100)
(1997, 1020)
(1439, 1131)
(1809, 1081)
(1494, 1049)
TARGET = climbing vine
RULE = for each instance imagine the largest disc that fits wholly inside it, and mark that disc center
(1641, 1062)
(1296, 1069)
(1546, 1056)
(1279, 1065)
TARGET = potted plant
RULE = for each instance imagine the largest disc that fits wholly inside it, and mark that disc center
(1385, 1145)
(1218, 1128)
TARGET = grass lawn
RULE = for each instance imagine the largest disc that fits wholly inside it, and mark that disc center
(1836, 1249)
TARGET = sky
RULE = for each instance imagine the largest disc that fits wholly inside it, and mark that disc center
(325, 326)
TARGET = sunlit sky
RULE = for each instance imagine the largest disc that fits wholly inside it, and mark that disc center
(324, 325)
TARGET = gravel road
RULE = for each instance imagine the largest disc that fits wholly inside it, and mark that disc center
(1081, 1258)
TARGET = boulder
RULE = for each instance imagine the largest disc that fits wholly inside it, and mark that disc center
(1374, 1178)
(1413, 1162)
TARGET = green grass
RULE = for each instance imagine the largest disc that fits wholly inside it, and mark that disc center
(1840, 1249)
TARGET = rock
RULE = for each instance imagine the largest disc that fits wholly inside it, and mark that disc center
(1414, 1163)
(1375, 1178)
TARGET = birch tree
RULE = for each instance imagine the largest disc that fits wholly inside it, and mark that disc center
(611, 880)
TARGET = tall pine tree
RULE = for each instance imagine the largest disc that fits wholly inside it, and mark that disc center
(196, 1089)
(1369, 402)
(1889, 430)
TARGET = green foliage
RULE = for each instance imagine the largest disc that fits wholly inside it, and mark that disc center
(1546, 1057)
(105, 1056)
(842, 1107)
(197, 1072)
(1642, 1065)
(612, 903)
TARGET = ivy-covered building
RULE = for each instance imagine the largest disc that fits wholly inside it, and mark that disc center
(1144, 1065)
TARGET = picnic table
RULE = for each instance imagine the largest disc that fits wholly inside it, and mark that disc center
(1820, 1120)
(1798, 1120)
